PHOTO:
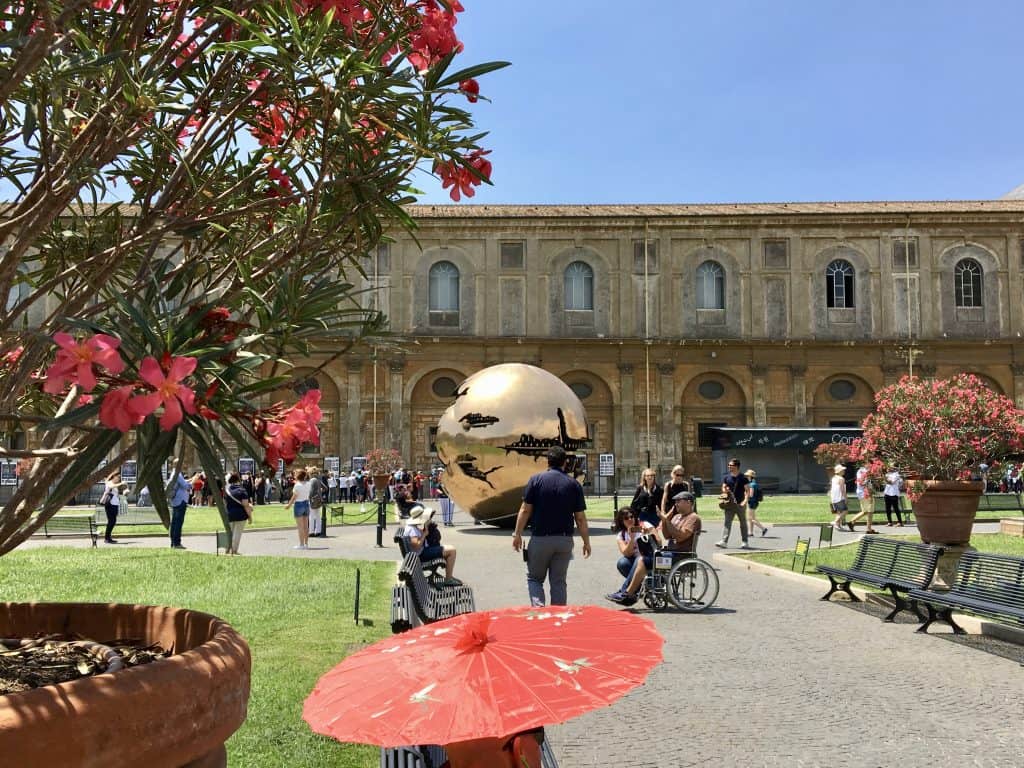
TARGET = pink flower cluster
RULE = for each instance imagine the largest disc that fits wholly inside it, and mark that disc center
(284, 435)
(81, 362)
(941, 429)
(76, 362)
(462, 180)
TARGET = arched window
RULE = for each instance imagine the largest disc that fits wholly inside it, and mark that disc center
(444, 294)
(839, 284)
(967, 283)
(579, 286)
(710, 286)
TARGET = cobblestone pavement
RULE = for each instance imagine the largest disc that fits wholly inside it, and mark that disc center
(770, 676)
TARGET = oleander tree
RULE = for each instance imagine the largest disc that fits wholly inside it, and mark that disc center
(192, 189)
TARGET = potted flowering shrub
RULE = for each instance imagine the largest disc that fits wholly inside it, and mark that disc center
(936, 433)
(382, 463)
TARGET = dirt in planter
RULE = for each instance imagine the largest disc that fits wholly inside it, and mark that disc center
(27, 663)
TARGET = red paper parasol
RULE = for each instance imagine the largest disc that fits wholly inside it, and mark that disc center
(484, 674)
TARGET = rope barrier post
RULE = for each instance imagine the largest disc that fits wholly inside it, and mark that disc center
(357, 596)
(381, 521)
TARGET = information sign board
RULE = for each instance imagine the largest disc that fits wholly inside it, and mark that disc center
(606, 465)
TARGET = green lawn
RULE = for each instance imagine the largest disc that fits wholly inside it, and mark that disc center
(207, 519)
(793, 508)
(296, 615)
(842, 556)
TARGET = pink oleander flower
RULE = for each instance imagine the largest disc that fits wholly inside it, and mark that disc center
(75, 360)
(459, 178)
(116, 411)
(170, 392)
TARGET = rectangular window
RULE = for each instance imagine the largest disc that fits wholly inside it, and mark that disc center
(776, 254)
(651, 257)
(432, 440)
(383, 263)
(904, 254)
(513, 255)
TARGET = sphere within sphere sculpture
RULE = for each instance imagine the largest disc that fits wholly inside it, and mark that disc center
(497, 432)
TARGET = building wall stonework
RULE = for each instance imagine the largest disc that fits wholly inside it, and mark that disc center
(657, 369)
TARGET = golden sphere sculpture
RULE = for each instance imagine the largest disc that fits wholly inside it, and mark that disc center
(497, 433)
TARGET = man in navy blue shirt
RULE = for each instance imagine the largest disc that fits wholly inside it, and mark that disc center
(553, 501)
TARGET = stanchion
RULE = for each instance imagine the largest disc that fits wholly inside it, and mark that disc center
(381, 521)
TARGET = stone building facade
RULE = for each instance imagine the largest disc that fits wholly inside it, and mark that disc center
(670, 319)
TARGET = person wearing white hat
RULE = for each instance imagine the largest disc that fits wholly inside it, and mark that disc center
(425, 540)
(837, 497)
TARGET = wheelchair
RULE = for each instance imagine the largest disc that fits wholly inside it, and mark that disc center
(681, 579)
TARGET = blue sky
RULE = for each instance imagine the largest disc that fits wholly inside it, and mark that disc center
(739, 101)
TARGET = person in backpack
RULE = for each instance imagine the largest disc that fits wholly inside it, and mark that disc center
(754, 497)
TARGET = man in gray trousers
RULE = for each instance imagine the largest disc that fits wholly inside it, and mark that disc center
(553, 501)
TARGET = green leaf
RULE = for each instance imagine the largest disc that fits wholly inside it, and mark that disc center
(474, 71)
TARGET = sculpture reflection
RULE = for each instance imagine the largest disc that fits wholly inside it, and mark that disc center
(494, 435)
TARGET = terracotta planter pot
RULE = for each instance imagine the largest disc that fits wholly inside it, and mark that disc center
(946, 510)
(380, 482)
(173, 713)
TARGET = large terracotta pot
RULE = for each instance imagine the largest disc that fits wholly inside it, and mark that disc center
(173, 713)
(380, 484)
(945, 512)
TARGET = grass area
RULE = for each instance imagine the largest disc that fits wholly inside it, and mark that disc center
(775, 509)
(207, 519)
(296, 615)
(842, 556)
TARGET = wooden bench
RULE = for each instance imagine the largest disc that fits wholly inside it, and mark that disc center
(403, 617)
(425, 756)
(985, 584)
(433, 568)
(433, 756)
(432, 602)
(898, 566)
(70, 525)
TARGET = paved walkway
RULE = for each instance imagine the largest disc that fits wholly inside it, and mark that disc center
(770, 676)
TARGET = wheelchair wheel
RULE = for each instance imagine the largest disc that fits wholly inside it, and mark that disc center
(692, 585)
(656, 601)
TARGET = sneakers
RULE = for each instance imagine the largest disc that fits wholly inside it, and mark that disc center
(622, 598)
(744, 545)
(177, 546)
(452, 582)
(850, 526)
(764, 532)
(300, 546)
(722, 544)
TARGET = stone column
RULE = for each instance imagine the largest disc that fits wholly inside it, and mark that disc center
(1018, 383)
(669, 446)
(397, 435)
(759, 391)
(352, 428)
(625, 428)
(798, 375)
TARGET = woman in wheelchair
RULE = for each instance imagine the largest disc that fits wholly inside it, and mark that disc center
(678, 526)
(637, 541)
